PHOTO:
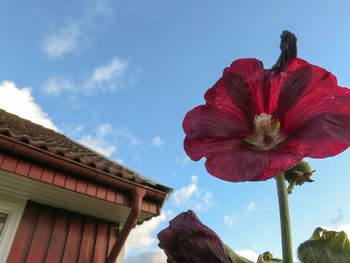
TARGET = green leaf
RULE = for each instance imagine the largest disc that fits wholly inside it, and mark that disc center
(324, 247)
(267, 258)
(235, 258)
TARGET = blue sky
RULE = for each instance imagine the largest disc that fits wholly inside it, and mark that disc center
(119, 76)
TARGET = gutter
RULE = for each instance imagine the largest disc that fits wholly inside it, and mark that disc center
(79, 169)
(130, 223)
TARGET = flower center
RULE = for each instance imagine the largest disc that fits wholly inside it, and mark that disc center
(267, 132)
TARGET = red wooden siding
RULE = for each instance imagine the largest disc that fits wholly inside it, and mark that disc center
(50, 235)
(50, 176)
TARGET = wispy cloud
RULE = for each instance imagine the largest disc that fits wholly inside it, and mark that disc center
(67, 38)
(64, 41)
(251, 206)
(157, 142)
(184, 194)
(105, 137)
(108, 77)
(21, 102)
(55, 86)
(192, 197)
(105, 78)
(229, 220)
(99, 142)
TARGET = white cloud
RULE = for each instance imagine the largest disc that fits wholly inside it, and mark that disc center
(183, 195)
(124, 133)
(62, 42)
(248, 254)
(107, 77)
(251, 206)
(204, 203)
(342, 227)
(20, 101)
(142, 235)
(157, 142)
(55, 86)
(99, 143)
(229, 220)
(191, 196)
(157, 256)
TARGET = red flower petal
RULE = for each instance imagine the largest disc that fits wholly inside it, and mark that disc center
(325, 135)
(308, 92)
(239, 165)
(203, 122)
(239, 92)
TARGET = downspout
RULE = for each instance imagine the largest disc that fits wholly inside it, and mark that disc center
(139, 193)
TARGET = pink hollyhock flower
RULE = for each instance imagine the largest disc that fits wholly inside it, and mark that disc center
(187, 240)
(257, 122)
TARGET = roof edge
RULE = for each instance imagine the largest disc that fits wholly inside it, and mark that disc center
(78, 169)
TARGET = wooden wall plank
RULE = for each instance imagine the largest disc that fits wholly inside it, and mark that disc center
(59, 179)
(81, 186)
(9, 164)
(58, 237)
(23, 238)
(88, 241)
(35, 172)
(101, 192)
(70, 183)
(113, 236)
(23, 167)
(42, 235)
(73, 242)
(47, 176)
(101, 244)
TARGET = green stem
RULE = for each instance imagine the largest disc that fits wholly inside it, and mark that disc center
(284, 218)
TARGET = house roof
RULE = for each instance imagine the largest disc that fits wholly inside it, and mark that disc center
(54, 143)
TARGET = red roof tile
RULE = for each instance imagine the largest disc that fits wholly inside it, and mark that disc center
(58, 144)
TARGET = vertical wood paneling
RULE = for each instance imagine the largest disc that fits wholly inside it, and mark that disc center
(81, 186)
(35, 172)
(91, 189)
(110, 195)
(58, 238)
(71, 183)
(42, 236)
(113, 231)
(9, 164)
(23, 238)
(73, 242)
(47, 176)
(23, 167)
(59, 179)
(101, 244)
(88, 241)
(53, 235)
(101, 192)
(2, 156)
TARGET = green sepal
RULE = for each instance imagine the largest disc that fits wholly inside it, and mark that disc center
(267, 258)
(235, 258)
(324, 247)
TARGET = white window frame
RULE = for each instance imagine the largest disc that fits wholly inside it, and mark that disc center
(14, 209)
